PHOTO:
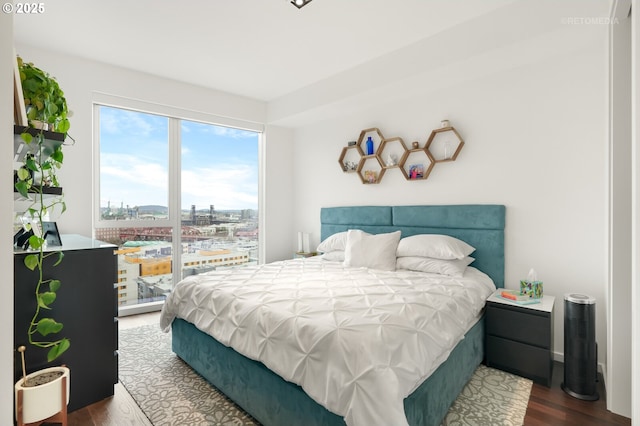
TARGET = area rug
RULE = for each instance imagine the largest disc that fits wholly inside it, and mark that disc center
(170, 393)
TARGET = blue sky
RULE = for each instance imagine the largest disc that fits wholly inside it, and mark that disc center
(219, 164)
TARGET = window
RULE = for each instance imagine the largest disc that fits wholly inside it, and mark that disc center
(178, 197)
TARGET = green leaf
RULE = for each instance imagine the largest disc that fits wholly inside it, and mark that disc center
(54, 285)
(23, 188)
(52, 108)
(58, 156)
(45, 299)
(48, 326)
(26, 137)
(60, 257)
(58, 349)
(31, 164)
(31, 261)
(35, 242)
(23, 174)
(64, 125)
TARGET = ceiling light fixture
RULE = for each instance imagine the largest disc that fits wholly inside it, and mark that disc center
(300, 3)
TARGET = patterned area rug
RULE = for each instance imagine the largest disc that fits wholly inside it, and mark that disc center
(170, 393)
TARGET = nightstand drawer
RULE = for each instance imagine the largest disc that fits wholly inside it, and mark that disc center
(519, 324)
(518, 358)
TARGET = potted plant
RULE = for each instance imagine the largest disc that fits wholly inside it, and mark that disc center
(44, 100)
(34, 179)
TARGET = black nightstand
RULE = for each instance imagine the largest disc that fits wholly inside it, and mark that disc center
(519, 338)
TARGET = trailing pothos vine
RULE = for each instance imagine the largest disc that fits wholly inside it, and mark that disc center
(45, 102)
(39, 165)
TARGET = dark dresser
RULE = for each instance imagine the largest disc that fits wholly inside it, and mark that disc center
(86, 305)
(519, 338)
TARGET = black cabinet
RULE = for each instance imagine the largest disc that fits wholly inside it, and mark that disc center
(519, 338)
(87, 307)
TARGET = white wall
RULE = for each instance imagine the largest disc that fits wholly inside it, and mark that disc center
(81, 79)
(535, 141)
(635, 140)
(6, 216)
(620, 259)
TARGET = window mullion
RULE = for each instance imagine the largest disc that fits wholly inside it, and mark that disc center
(175, 216)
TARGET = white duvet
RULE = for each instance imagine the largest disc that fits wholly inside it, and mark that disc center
(357, 340)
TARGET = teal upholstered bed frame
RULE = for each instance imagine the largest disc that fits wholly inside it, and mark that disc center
(275, 402)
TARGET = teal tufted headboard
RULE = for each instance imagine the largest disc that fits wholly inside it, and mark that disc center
(481, 225)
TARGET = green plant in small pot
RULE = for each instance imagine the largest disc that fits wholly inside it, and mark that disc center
(33, 177)
(43, 99)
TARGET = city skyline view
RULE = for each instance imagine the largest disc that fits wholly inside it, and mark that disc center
(219, 164)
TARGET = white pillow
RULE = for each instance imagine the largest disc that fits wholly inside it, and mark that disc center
(371, 251)
(335, 255)
(453, 267)
(333, 242)
(435, 246)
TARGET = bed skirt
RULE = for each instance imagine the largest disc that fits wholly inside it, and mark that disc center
(275, 402)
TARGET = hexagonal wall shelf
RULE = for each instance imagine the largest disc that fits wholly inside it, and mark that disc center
(350, 158)
(392, 152)
(444, 144)
(417, 164)
(370, 169)
(376, 137)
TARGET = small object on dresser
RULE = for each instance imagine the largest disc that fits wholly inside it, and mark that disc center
(514, 295)
(531, 286)
(369, 146)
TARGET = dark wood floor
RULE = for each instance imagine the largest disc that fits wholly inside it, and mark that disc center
(547, 406)
(552, 406)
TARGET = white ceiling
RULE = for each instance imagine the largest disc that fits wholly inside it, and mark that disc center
(325, 60)
(261, 49)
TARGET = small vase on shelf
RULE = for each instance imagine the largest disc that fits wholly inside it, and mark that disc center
(369, 146)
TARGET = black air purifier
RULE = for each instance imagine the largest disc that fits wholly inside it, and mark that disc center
(580, 348)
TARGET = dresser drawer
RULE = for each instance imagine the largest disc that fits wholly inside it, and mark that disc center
(520, 325)
(519, 358)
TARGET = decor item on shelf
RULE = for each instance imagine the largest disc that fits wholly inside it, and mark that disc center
(392, 160)
(416, 171)
(415, 145)
(44, 101)
(444, 123)
(351, 143)
(42, 395)
(369, 146)
(371, 176)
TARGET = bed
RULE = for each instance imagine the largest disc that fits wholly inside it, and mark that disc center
(273, 400)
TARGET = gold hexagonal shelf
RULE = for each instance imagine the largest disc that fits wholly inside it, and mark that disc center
(417, 164)
(392, 152)
(350, 158)
(376, 138)
(444, 144)
(370, 169)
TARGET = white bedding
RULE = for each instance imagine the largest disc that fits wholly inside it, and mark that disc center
(357, 340)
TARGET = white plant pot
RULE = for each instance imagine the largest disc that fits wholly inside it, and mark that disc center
(42, 401)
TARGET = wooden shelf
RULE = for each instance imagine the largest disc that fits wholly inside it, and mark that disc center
(443, 145)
